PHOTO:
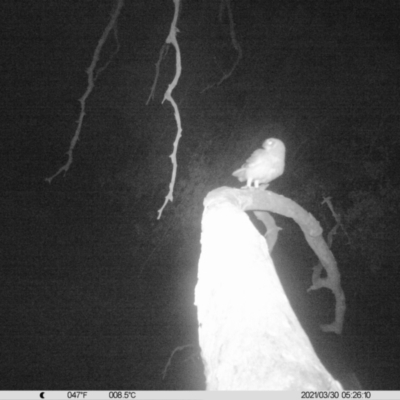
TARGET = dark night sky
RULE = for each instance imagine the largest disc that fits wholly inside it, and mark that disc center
(95, 293)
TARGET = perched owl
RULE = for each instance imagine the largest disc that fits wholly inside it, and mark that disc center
(264, 165)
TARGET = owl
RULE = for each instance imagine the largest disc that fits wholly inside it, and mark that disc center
(264, 165)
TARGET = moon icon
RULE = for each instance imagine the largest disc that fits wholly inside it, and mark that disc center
(41, 395)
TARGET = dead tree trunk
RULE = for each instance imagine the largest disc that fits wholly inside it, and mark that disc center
(249, 336)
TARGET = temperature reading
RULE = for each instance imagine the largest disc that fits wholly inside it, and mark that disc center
(122, 395)
(76, 395)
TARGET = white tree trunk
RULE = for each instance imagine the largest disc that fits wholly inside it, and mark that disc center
(249, 336)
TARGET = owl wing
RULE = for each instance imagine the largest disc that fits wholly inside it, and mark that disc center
(255, 167)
